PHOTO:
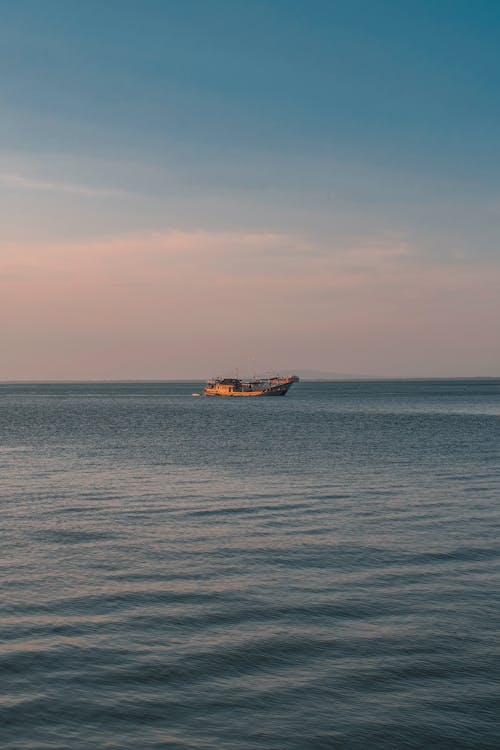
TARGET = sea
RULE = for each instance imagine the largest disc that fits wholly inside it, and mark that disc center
(314, 572)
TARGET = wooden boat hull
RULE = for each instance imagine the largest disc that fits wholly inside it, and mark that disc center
(228, 389)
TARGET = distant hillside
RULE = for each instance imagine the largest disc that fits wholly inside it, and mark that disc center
(320, 375)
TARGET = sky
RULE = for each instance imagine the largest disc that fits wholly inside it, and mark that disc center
(197, 187)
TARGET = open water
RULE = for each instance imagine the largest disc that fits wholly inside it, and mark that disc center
(302, 573)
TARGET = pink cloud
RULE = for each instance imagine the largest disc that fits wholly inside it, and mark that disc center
(177, 303)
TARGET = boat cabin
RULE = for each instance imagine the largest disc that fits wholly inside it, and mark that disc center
(231, 384)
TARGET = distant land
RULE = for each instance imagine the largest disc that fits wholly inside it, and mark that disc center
(320, 375)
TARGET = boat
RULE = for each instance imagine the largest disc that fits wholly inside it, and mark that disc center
(276, 386)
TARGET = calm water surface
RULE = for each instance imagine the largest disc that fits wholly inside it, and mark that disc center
(316, 571)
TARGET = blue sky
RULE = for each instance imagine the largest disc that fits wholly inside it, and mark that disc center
(330, 126)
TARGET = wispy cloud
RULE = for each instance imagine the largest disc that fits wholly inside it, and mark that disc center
(23, 182)
(268, 258)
